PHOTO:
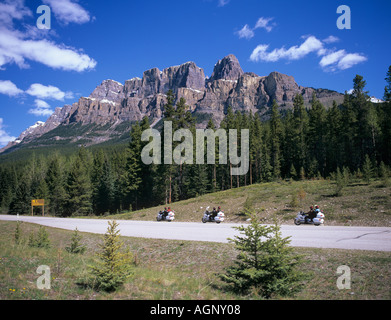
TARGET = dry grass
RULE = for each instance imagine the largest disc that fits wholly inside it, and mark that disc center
(361, 204)
(174, 270)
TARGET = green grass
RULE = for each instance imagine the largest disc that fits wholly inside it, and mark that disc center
(173, 270)
(360, 204)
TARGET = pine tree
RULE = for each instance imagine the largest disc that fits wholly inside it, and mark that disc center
(18, 233)
(300, 118)
(275, 135)
(146, 185)
(55, 181)
(384, 173)
(21, 200)
(340, 183)
(76, 246)
(266, 264)
(105, 190)
(131, 177)
(39, 240)
(316, 136)
(334, 139)
(288, 147)
(7, 187)
(387, 89)
(367, 169)
(79, 187)
(115, 265)
(96, 176)
(367, 126)
(349, 133)
(384, 118)
(293, 172)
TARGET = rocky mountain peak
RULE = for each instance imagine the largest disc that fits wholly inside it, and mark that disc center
(112, 104)
(108, 89)
(227, 68)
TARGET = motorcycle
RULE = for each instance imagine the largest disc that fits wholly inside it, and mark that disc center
(220, 217)
(302, 218)
(169, 217)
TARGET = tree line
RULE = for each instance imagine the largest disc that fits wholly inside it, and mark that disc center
(300, 143)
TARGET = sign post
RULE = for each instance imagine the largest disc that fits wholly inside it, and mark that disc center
(38, 203)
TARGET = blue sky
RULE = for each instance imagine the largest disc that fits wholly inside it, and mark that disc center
(90, 41)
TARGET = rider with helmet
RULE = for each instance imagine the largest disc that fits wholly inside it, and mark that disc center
(308, 215)
(165, 213)
(314, 213)
(215, 212)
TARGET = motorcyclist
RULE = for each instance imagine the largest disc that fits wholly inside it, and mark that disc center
(309, 214)
(314, 213)
(213, 214)
(165, 213)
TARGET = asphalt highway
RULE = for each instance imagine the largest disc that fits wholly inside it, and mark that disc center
(356, 238)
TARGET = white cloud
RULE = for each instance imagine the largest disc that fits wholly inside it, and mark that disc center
(17, 50)
(67, 11)
(42, 104)
(264, 24)
(13, 9)
(331, 39)
(350, 60)
(42, 108)
(9, 88)
(331, 60)
(340, 60)
(222, 3)
(4, 136)
(311, 44)
(245, 32)
(48, 92)
(20, 46)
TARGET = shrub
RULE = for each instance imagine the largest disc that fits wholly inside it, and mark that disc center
(265, 264)
(76, 246)
(18, 233)
(115, 265)
(340, 183)
(41, 240)
(367, 169)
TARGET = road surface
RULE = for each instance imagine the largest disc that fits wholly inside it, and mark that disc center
(361, 238)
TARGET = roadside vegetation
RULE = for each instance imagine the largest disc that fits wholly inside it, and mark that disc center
(358, 203)
(302, 143)
(173, 270)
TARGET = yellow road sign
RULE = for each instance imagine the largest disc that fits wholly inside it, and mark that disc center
(38, 202)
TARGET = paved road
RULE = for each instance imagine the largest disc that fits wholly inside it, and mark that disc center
(362, 238)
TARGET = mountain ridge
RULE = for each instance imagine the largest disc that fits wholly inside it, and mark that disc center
(112, 103)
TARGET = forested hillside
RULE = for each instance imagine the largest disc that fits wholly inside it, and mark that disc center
(298, 144)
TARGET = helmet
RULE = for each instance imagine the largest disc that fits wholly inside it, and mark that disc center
(317, 207)
(165, 208)
(214, 208)
(169, 208)
(219, 208)
(312, 207)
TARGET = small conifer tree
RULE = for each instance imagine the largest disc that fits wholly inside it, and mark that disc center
(367, 169)
(18, 233)
(340, 182)
(115, 265)
(76, 246)
(41, 240)
(266, 264)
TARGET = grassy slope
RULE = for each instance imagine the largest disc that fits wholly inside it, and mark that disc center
(168, 270)
(360, 204)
